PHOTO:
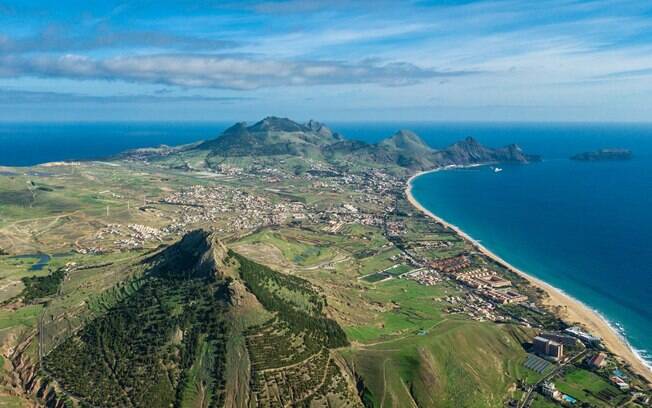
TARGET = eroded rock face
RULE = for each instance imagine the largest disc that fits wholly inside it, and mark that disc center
(28, 382)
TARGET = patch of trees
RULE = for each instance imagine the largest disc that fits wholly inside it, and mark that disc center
(262, 282)
(37, 287)
(139, 353)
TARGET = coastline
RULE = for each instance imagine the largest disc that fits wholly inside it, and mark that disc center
(572, 310)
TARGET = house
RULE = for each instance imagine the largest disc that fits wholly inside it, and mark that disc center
(598, 360)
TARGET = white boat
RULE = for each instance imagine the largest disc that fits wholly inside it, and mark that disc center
(497, 169)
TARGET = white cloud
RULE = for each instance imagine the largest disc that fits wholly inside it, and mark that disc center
(220, 72)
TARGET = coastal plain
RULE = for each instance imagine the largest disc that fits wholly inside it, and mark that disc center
(428, 317)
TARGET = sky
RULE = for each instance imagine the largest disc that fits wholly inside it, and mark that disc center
(495, 60)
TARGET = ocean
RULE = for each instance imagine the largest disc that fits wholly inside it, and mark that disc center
(26, 144)
(585, 228)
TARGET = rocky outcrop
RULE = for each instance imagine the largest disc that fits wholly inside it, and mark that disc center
(470, 151)
(604, 154)
(198, 254)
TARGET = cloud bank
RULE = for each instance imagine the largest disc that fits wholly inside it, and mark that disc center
(205, 71)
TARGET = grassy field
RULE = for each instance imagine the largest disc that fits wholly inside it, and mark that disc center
(301, 249)
(25, 316)
(397, 270)
(588, 387)
(462, 363)
(410, 308)
(540, 401)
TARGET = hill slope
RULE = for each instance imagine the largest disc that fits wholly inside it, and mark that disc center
(179, 338)
(270, 136)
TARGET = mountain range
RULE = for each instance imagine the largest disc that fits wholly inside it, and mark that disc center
(281, 136)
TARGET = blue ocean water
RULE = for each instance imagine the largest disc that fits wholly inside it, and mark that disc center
(586, 228)
(25, 144)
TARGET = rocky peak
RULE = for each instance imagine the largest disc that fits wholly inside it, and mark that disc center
(406, 140)
(319, 128)
(276, 124)
(199, 254)
(237, 128)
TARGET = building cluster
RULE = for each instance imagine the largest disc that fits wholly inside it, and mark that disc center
(550, 390)
(584, 337)
(246, 211)
(481, 278)
(143, 233)
(619, 382)
(366, 183)
(228, 170)
(134, 236)
(567, 341)
(548, 348)
(451, 265)
(474, 306)
(89, 249)
(233, 210)
(424, 276)
(395, 228)
(444, 244)
(503, 297)
(485, 282)
(338, 216)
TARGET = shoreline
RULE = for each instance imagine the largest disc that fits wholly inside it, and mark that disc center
(573, 311)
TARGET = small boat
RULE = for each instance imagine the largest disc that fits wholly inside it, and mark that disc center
(497, 169)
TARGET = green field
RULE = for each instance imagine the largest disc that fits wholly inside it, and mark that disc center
(540, 401)
(25, 316)
(302, 250)
(462, 363)
(376, 277)
(588, 387)
(411, 308)
(398, 269)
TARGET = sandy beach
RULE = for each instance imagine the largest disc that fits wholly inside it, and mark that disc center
(572, 310)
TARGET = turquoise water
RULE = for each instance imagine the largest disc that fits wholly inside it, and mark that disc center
(585, 228)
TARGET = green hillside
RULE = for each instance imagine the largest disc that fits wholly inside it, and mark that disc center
(275, 136)
(173, 340)
(461, 364)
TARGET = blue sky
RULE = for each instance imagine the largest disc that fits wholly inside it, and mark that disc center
(557, 60)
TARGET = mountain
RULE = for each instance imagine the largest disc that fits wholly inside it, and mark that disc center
(203, 326)
(281, 136)
(408, 150)
(271, 136)
(470, 151)
(406, 141)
